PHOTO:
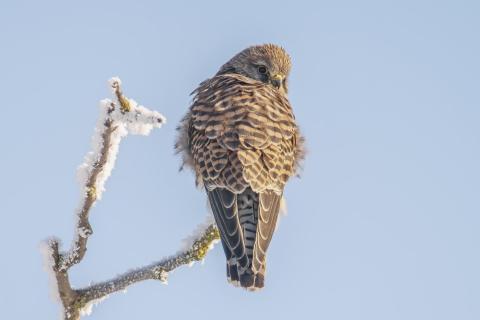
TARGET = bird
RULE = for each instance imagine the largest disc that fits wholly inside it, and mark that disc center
(241, 139)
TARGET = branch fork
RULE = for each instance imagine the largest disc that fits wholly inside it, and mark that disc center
(117, 119)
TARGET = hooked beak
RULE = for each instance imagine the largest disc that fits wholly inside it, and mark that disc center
(277, 80)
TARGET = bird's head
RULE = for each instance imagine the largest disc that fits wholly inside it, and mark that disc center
(267, 63)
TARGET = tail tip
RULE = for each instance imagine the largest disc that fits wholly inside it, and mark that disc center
(232, 274)
(252, 282)
(247, 280)
(259, 280)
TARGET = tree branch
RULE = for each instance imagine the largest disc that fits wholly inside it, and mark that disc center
(79, 247)
(117, 119)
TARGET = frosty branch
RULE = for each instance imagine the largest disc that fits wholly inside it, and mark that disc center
(117, 119)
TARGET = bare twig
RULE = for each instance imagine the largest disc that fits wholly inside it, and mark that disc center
(117, 120)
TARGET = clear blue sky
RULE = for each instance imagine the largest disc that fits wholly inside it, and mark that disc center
(384, 223)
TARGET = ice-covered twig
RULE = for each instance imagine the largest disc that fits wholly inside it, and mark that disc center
(117, 119)
(155, 271)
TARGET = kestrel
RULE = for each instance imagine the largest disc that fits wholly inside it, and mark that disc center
(241, 139)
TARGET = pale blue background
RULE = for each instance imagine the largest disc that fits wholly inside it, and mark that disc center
(384, 223)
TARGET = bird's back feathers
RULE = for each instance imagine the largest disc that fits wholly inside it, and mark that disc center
(241, 139)
(244, 123)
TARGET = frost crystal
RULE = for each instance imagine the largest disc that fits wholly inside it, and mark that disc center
(46, 250)
(114, 80)
(83, 232)
(87, 309)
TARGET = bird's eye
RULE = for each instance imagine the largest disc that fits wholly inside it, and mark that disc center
(262, 69)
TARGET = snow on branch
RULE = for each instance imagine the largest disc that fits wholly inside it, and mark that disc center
(117, 119)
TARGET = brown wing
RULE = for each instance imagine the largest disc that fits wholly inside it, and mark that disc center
(242, 133)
